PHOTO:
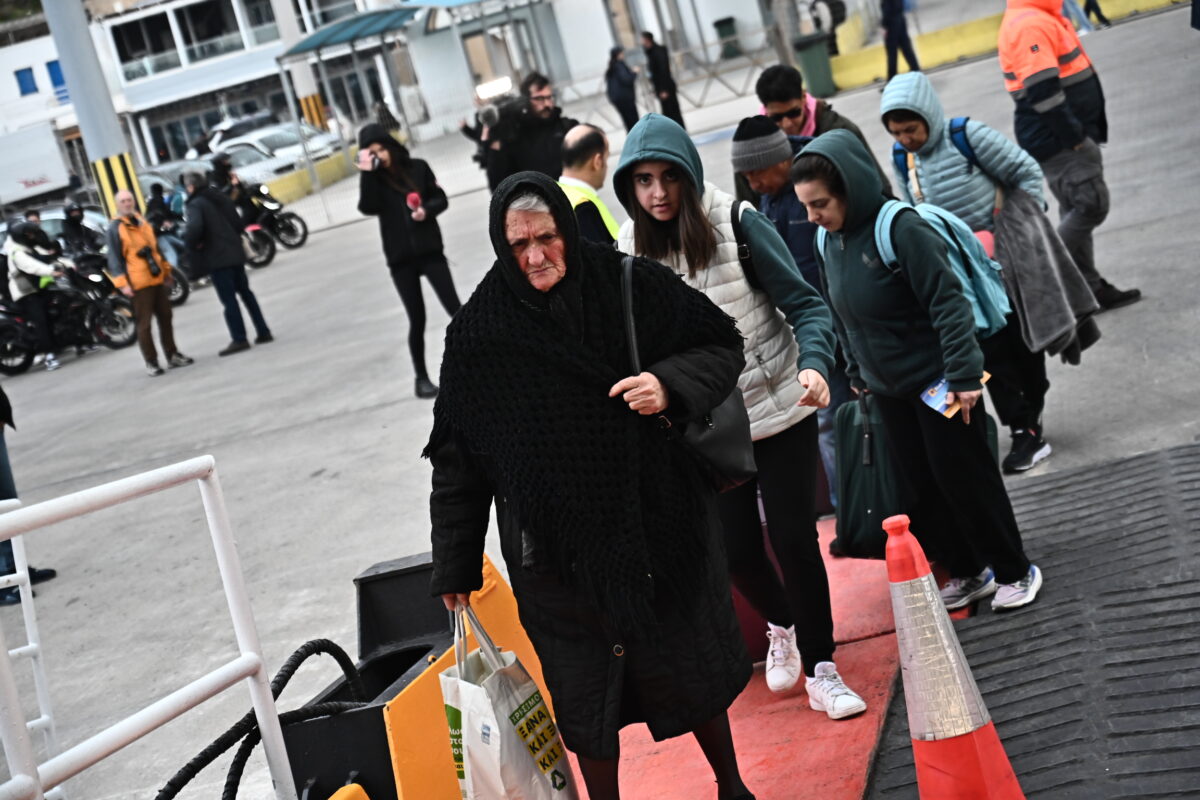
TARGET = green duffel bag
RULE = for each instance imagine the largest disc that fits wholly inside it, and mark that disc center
(868, 487)
(868, 491)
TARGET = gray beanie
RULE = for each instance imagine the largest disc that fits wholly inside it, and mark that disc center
(757, 144)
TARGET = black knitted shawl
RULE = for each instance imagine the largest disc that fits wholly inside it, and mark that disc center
(619, 511)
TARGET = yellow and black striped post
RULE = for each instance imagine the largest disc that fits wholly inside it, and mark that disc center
(312, 108)
(114, 174)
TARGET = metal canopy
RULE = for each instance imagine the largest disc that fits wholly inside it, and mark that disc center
(366, 25)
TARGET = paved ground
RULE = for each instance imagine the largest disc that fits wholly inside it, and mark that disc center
(317, 435)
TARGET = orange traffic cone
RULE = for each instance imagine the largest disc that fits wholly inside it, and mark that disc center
(955, 746)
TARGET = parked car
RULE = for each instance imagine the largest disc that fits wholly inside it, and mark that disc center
(281, 141)
(232, 128)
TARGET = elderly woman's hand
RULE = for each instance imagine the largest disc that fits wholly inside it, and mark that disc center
(644, 393)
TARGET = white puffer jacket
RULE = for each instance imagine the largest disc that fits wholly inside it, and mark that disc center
(768, 381)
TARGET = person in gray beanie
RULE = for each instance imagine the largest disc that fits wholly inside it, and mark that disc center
(762, 154)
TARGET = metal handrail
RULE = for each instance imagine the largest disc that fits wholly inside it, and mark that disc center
(30, 781)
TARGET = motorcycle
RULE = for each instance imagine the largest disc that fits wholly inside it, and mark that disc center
(81, 311)
(287, 227)
(96, 264)
(258, 245)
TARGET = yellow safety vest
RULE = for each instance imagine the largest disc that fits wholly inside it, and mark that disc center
(577, 195)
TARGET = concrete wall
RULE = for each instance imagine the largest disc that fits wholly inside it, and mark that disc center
(442, 74)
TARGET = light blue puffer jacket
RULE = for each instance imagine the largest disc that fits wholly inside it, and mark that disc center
(946, 178)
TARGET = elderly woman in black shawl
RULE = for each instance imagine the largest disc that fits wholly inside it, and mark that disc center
(607, 526)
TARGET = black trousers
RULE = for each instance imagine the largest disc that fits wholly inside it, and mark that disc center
(232, 283)
(956, 498)
(903, 44)
(787, 477)
(33, 307)
(1018, 384)
(407, 277)
(1092, 8)
(627, 108)
(671, 109)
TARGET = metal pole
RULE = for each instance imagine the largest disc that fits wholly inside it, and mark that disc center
(40, 688)
(313, 176)
(244, 629)
(356, 67)
(537, 33)
(389, 70)
(18, 750)
(324, 74)
(518, 62)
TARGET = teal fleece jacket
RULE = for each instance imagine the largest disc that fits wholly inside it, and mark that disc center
(900, 330)
(657, 138)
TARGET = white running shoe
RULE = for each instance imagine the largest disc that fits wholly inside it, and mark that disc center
(52, 362)
(961, 592)
(1021, 593)
(783, 659)
(827, 692)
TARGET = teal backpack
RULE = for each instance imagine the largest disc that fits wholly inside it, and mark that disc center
(978, 274)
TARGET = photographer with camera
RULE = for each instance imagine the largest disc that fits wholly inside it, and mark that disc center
(527, 134)
(141, 272)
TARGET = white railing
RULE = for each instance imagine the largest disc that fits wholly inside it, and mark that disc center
(30, 781)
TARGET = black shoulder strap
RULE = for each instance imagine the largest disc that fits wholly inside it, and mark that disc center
(627, 310)
(743, 245)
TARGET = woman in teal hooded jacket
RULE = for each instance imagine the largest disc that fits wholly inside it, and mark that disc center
(679, 219)
(901, 331)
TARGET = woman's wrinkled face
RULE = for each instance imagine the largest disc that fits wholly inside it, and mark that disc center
(384, 155)
(537, 246)
(657, 186)
(823, 207)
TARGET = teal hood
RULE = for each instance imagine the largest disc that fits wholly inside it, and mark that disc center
(913, 92)
(657, 138)
(860, 174)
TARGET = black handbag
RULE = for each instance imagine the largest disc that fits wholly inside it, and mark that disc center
(720, 441)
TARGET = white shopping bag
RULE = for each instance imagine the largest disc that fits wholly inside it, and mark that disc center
(505, 744)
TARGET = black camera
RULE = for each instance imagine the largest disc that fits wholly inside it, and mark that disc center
(147, 254)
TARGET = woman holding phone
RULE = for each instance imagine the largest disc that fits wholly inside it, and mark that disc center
(403, 192)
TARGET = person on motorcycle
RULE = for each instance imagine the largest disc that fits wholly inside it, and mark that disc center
(224, 178)
(77, 237)
(165, 223)
(32, 267)
(141, 272)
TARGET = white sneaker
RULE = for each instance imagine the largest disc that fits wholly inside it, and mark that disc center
(783, 659)
(961, 592)
(827, 692)
(52, 362)
(1021, 593)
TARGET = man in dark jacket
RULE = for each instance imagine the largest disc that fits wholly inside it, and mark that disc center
(214, 244)
(531, 140)
(895, 37)
(658, 65)
(797, 113)
(762, 157)
(1060, 119)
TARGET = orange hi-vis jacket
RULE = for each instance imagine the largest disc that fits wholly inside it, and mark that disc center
(1051, 79)
(125, 240)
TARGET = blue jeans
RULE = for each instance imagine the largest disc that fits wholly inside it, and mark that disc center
(232, 283)
(170, 246)
(8, 491)
(839, 393)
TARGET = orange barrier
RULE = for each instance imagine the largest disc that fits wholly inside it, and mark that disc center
(956, 748)
(350, 792)
(417, 731)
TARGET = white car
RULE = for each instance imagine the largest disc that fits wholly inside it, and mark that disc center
(281, 141)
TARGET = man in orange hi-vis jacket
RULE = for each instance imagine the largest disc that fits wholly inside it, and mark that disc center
(1060, 120)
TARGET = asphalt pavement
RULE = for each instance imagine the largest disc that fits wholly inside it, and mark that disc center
(317, 436)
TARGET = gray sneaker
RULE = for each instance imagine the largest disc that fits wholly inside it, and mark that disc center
(961, 592)
(1022, 593)
(153, 369)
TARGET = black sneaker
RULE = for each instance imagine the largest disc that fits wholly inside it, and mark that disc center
(426, 388)
(266, 338)
(1028, 448)
(234, 347)
(1110, 297)
(153, 369)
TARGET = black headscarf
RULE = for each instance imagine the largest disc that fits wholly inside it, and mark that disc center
(618, 509)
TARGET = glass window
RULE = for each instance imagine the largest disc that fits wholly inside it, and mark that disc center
(177, 139)
(278, 139)
(145, 46)
(241, 156)
(212, 119)
(25, 81)
(194, 128)
(209, 29)
(249, 106)
(160, 143)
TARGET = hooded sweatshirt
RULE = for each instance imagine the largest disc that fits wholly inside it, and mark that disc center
(786, 324)
(943, 175)
(901, 330)
(384, 193)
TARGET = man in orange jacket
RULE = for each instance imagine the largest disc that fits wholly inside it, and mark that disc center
(1060, 120)
(140, 271)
